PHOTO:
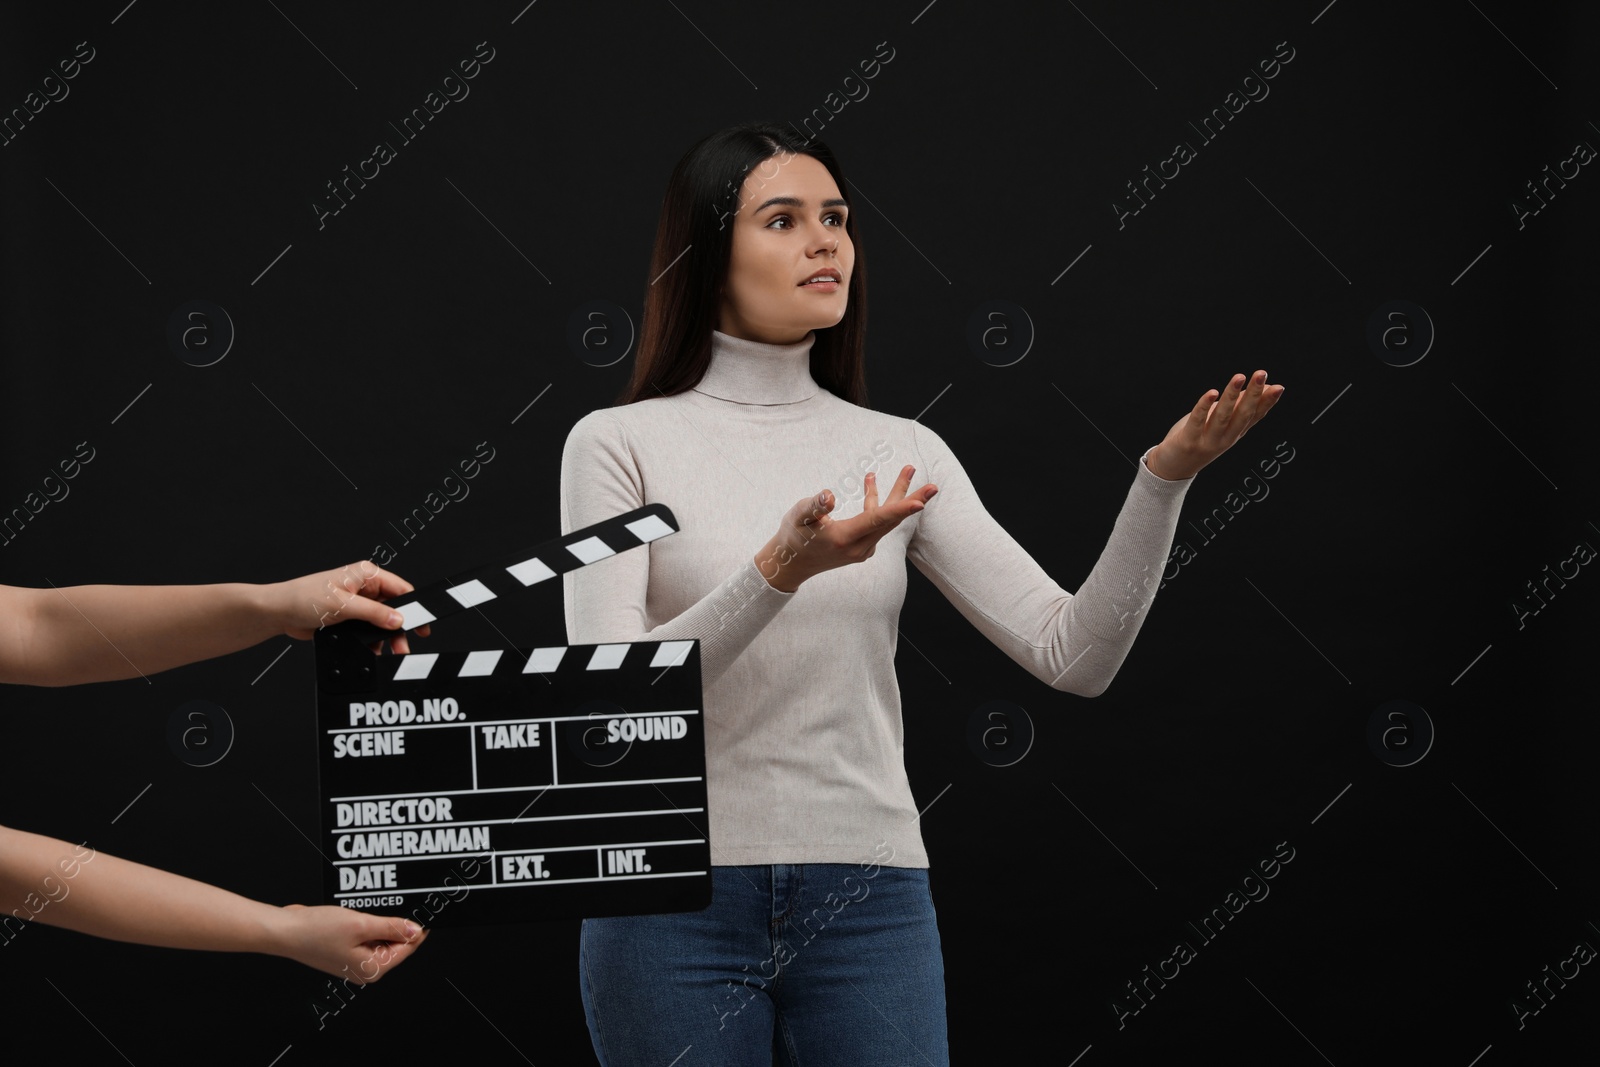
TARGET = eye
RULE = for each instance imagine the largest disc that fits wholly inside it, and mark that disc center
(838, 216)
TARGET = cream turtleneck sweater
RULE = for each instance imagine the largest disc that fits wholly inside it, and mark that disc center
(804, 738)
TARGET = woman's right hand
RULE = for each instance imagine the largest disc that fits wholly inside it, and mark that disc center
(809, 541)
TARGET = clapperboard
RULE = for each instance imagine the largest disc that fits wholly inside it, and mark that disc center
(508, 784)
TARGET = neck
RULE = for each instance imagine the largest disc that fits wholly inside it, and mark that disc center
(754, 372)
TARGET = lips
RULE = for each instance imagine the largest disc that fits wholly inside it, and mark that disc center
(829, 274)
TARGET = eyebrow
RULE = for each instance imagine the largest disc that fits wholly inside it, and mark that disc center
(791, 201)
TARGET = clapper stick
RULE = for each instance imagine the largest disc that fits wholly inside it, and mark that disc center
(483, 584)
(345, 660)
(501, 785)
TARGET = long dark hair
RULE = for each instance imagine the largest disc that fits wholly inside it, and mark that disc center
(681, 297)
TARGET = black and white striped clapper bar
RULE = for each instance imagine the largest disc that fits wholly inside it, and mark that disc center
(508, 784)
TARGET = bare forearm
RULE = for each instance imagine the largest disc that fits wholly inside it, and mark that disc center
(95, 633)
(76, 888)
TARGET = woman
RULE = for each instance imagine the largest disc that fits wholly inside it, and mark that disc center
(749, 390)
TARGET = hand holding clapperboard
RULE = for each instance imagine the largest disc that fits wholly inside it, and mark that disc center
(512, 784)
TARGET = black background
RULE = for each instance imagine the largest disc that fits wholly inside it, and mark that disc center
(428, 315)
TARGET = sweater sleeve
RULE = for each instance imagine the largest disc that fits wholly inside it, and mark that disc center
(1071, 642)
(606, 601)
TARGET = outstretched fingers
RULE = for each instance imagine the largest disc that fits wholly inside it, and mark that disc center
(1200, 414)
(888, 512)
(901, 503)
(902, 485)
(1262, 396)
(1253, 404)
(1228, 405)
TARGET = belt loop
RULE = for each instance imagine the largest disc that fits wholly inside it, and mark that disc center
(777, 873)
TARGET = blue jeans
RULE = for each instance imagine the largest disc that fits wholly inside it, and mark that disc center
(806, 964)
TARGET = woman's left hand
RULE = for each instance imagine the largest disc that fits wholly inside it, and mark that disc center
(1213, 426)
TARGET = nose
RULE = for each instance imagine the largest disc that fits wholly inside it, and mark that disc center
(826, 240)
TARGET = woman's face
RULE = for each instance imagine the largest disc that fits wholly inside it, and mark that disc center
(788, 228)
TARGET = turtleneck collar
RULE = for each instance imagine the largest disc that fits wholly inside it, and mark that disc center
(751, 372)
